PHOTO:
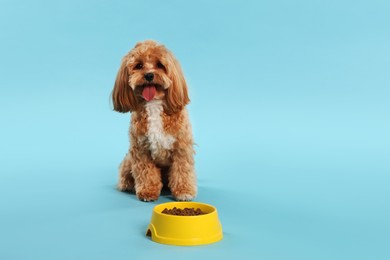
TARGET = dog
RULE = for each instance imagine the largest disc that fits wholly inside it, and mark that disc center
(150, 84)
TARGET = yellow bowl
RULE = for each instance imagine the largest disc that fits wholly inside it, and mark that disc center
(185, 230)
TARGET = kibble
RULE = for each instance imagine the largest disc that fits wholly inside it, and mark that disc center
(183, 212)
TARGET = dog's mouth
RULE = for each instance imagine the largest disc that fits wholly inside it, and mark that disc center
(149, 90)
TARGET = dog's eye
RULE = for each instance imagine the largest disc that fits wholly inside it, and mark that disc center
(160, 65)
(139, 66)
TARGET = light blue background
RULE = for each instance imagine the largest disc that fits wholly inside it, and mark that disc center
(290, 111)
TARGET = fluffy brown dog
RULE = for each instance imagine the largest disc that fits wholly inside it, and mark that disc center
(151, 85)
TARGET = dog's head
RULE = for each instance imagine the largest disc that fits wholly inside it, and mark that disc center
(149, 72)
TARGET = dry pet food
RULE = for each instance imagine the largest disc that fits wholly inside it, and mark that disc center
(183, 212)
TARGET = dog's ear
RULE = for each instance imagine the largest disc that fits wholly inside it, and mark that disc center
(177, 96)
(123, 96)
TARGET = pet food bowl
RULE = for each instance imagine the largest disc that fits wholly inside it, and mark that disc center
(185, 230)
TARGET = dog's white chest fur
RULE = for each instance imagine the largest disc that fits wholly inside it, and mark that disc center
(159, 141)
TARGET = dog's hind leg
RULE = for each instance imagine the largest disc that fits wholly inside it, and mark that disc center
(126, 180)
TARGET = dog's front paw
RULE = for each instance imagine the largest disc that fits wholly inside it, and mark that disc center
(184, 194)
(148, 196)
(184, 197)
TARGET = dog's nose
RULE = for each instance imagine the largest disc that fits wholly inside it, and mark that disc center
(149, 76)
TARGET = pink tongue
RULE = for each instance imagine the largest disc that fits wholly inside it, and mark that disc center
(149, 92)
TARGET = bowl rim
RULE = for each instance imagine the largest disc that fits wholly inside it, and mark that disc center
(162, 205)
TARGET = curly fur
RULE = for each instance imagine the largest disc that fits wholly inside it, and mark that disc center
(161, 140)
